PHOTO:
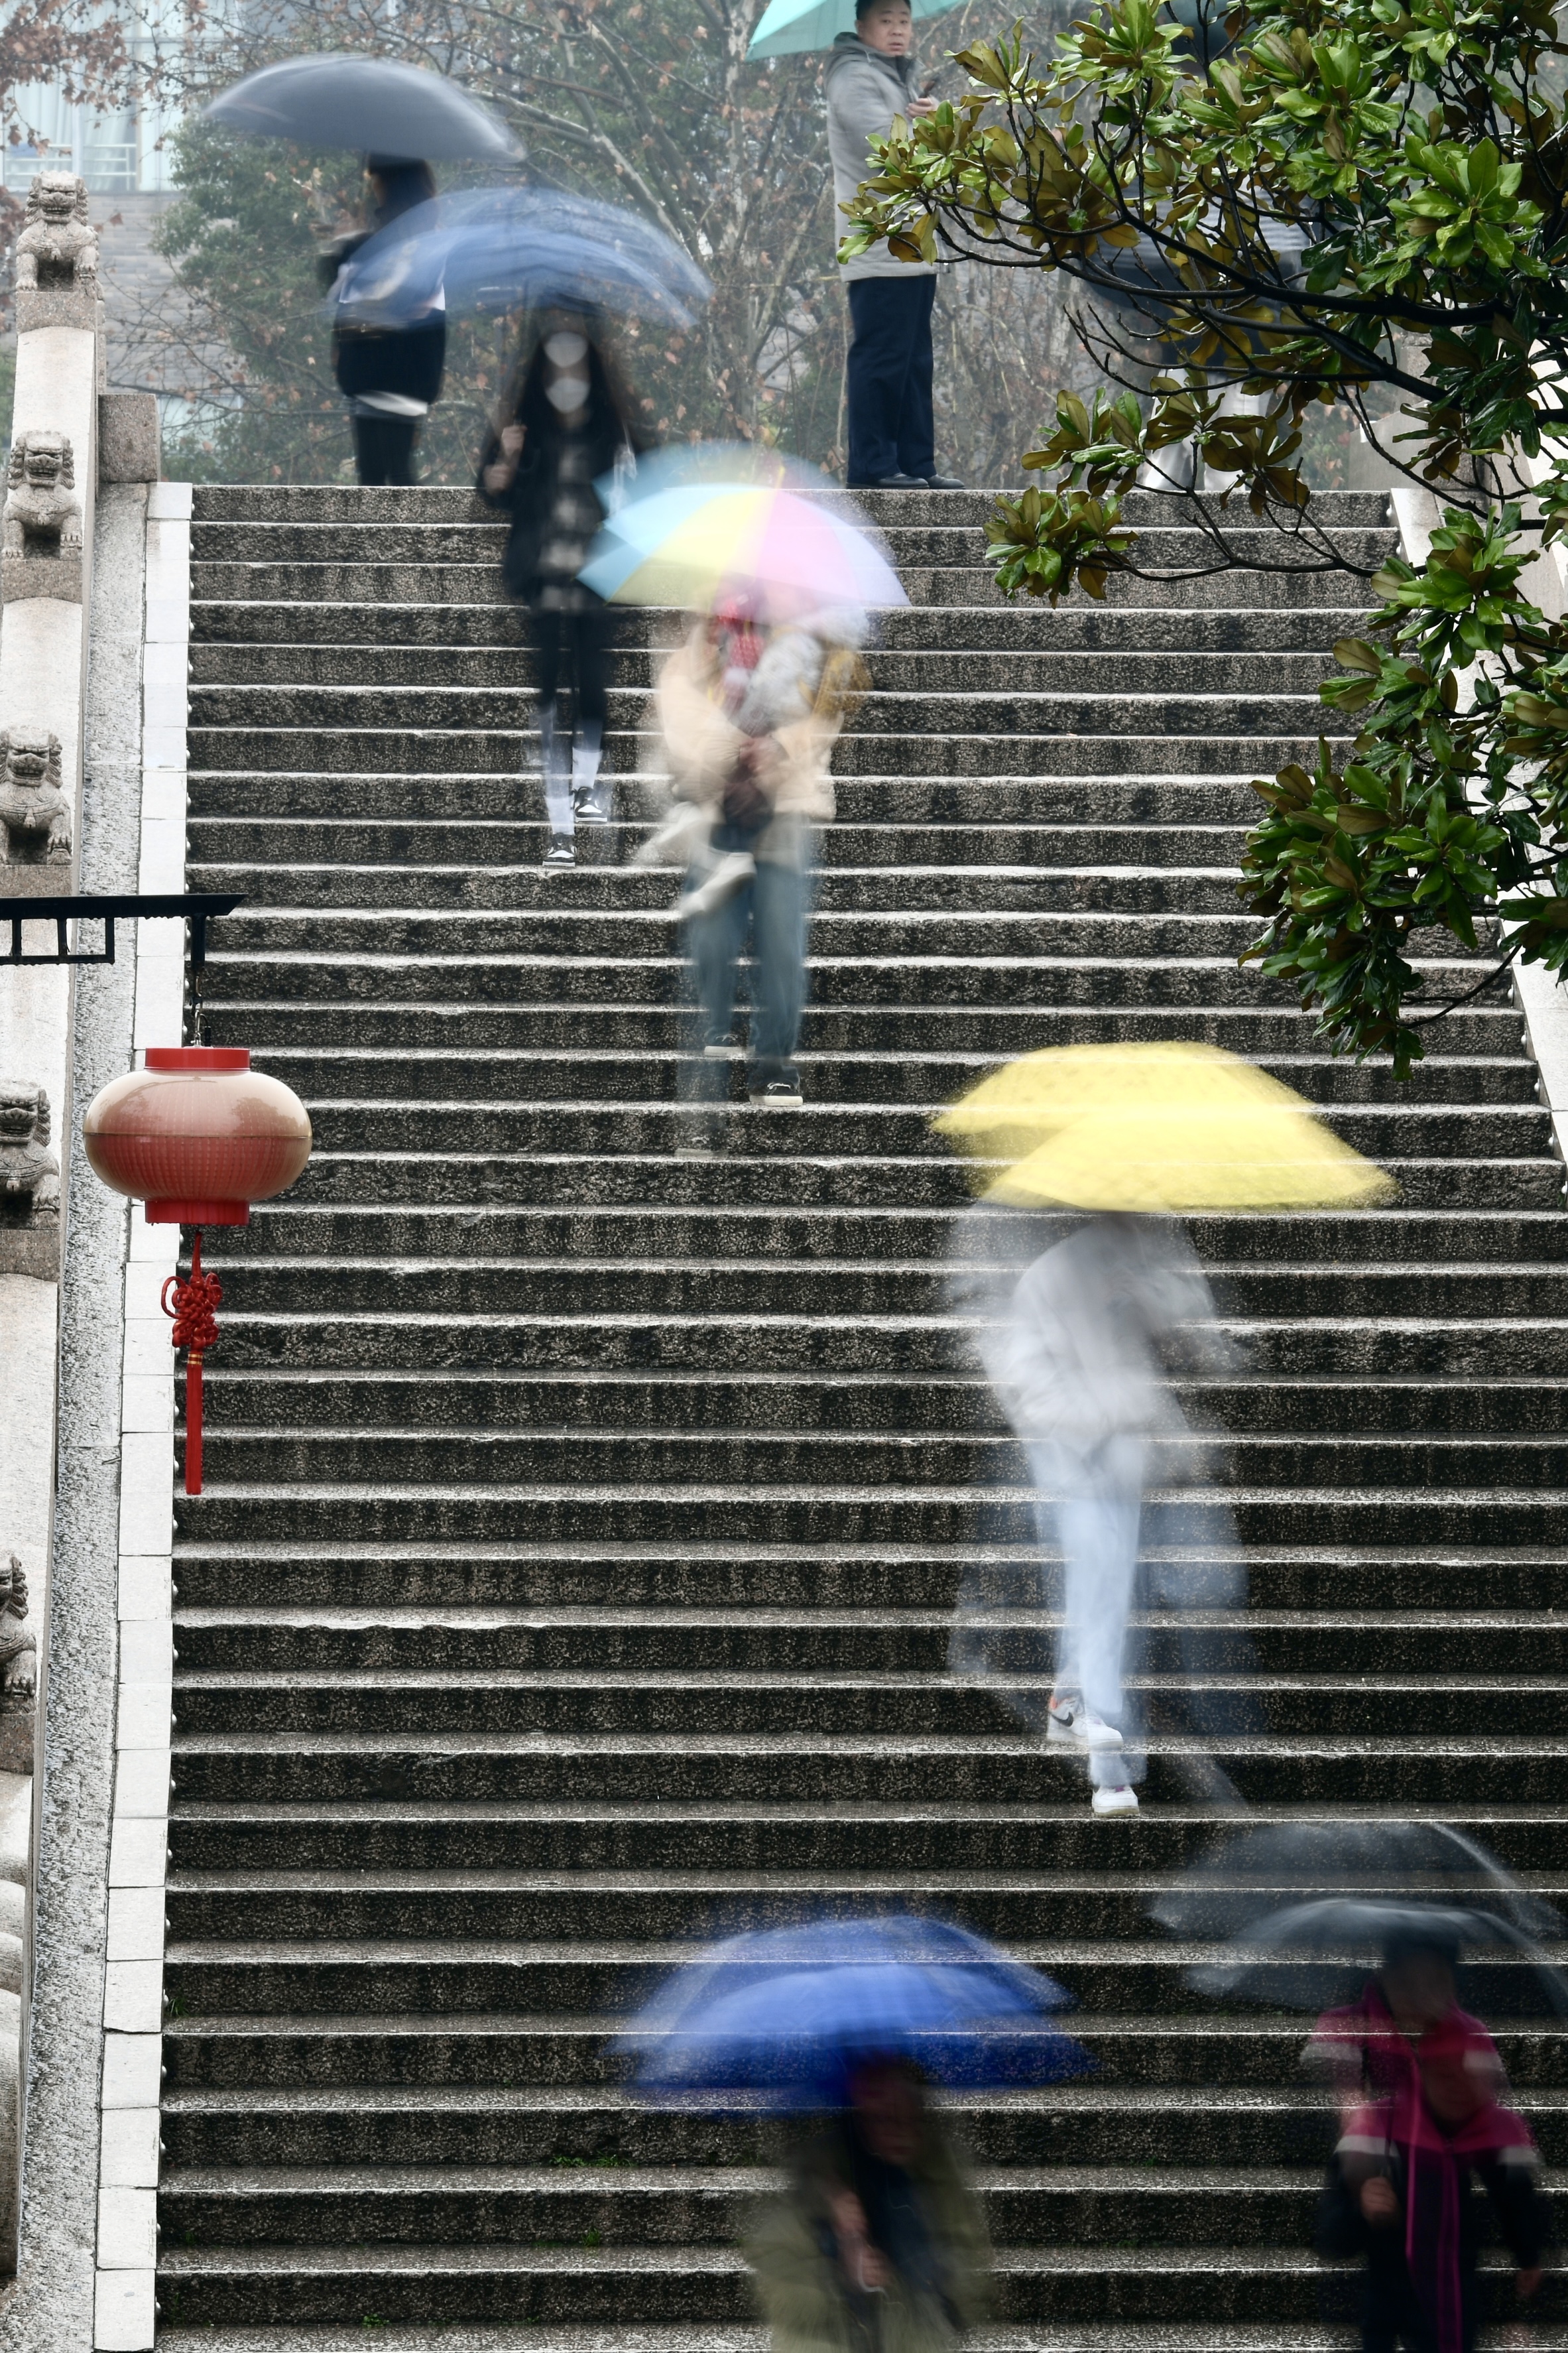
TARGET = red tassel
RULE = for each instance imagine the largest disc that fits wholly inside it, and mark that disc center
(196, 1329)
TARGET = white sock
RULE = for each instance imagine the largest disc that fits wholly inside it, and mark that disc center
(585, 759)
(556, 762)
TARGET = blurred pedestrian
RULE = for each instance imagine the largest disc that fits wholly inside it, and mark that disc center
(878, 2242)
(1423, 2110)
(749, 716)
(564, 423)
(869, 79)
(1076, 1359)
(391, 376)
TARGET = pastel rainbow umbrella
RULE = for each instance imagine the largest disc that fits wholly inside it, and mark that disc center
(1171, 1128)
(696, 543)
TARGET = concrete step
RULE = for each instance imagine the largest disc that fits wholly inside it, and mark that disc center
(1170, 704)
(968, 891)
(892, 1578)
(1223, 798)
(224, 668)
(310, 503)
(743, 1771)
(575, 1576)
(254, 620)
(637, 2298)
(292, 1228)
(879, 1073)
(406, 1458)
(987, 1033)
(649, 1696)
(469, 849)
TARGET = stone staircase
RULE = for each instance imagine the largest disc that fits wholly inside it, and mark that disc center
(583, 1522)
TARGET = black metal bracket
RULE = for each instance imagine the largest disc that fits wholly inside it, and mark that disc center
(197, 908)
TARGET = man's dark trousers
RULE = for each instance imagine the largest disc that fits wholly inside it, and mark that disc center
(888, 378)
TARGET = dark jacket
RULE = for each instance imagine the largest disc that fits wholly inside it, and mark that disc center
(530, 496)
(408, 360)
(1524, 2222)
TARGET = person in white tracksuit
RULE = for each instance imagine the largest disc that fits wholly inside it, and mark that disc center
(1076, 1359)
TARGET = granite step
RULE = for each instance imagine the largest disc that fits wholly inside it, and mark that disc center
(583, 1522)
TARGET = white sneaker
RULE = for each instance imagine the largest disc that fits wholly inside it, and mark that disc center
(1120, 1799)
(1069, 1720)
(735, 869)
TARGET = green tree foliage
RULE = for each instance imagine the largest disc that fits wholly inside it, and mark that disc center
(83, 51)
(651, 106)
(1360, 203)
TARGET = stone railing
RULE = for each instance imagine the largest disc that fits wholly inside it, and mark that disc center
(68, 436)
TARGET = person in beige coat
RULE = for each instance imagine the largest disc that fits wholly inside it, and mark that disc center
(748, 717)
(878, 2245)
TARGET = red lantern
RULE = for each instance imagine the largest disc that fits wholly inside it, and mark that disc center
(197, 1136)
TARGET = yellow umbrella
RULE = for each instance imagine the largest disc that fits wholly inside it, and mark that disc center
(1161, 1128)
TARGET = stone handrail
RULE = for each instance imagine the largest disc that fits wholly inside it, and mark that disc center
(68, 435)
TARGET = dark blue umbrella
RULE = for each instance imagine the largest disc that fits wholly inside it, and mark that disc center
(333, 99)
(787, 2013)
(518, 249)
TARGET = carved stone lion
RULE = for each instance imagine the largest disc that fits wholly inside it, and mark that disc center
(29, 1209)
(35, 815)
(41, 530)
(27, 1166)
(57, 252)
(43, 516)
(18, 1646)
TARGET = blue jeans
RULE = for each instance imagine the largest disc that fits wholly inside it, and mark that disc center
(772, 905)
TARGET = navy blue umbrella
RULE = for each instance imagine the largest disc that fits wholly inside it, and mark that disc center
(787, 2014)
(518, 249)
(333, 99)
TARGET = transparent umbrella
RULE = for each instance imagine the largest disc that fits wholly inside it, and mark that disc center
(1315, 1956)
(518, 249)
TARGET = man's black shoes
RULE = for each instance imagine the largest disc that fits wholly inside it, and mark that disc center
(911, 482)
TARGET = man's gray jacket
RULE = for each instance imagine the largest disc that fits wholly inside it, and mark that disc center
(865, 91)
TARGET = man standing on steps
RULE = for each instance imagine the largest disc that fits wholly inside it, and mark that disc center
(869, 79)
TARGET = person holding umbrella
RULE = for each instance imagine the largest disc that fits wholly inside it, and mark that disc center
(1423, 2110)
(1079, 1346)
(391, 376)
(749, 716)
(868, 81)
(878, 2238)
(564, 424)
(749, 708)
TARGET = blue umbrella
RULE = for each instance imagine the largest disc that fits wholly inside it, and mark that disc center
(332, 100)
(788, 27)
(511, 249)
(787, 2013)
